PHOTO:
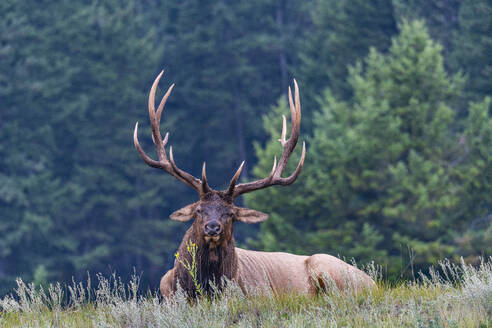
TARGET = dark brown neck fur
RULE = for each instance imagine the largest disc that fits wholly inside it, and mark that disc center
(214, 261)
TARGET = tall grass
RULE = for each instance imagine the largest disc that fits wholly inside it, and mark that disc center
(451, 296)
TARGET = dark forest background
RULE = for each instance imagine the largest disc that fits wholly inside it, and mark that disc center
(396, 116)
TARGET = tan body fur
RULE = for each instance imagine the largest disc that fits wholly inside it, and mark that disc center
(283, 272)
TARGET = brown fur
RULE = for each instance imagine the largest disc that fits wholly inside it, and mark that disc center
(279, 273)
(218, 258)
(214, 262)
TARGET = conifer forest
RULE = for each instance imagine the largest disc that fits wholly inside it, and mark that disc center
(396, 115)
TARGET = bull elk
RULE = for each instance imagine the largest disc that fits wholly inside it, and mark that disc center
(214, 216)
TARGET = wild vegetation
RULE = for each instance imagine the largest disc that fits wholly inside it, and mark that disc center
(396, 115)
(452, 296)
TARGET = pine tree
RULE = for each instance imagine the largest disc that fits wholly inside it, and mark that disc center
(377, 182)
(474, 174)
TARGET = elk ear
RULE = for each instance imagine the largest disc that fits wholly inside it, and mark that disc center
(247, 215)
(184, 214)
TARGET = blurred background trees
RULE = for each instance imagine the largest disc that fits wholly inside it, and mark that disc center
(396, 116)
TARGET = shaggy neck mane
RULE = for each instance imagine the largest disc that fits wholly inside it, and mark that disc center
(214, 262)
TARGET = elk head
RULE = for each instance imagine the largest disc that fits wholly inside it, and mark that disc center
(215, 212)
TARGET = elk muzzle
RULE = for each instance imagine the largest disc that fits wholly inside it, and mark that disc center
(212, 228)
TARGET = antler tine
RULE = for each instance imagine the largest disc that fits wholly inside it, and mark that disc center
(167, 165)
(163, 103)
(290, 144)
(275, 177)
(274, 167)
(166, 138)
(293, 176)
(205, 187)
(298, 102)
(232, 184)
(156, 134)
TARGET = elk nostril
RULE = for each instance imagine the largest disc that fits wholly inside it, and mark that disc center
(212, 228)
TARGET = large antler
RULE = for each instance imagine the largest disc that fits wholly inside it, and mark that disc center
(275, 177)
(164, 163)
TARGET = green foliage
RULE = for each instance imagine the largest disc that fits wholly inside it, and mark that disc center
(28, 145)
(74, 77)
(477, 158)
(226, 70)
(85, 67)
(473, 47)
(440, 16)
(40, 276)
(474, 173)
(396, 159)
(342, 33)
(379, 174)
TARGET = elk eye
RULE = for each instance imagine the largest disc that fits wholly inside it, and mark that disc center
(198, 211)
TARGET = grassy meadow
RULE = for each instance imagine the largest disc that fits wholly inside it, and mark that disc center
(450, 296)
